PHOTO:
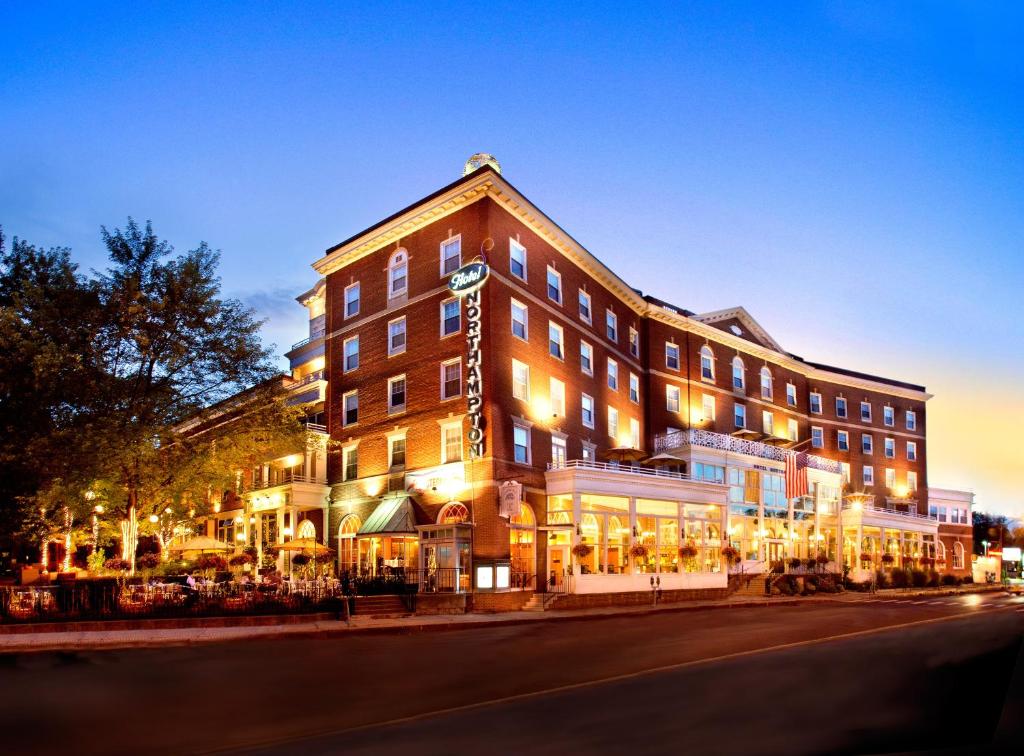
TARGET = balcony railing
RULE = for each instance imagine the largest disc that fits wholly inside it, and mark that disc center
(615, 467)
(313, 377)
(680, 439)
(870, 508)
(284, 479)
(312, 337)
(316, 427)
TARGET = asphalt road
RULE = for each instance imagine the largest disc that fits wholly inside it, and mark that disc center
(812, 678)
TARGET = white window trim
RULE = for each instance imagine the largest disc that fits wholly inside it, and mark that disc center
(561, 340)
(629, 348)
(345, 451)
(444, 364)
(608, 416)
(634, 377)
(440, 327)
(714, 406)
(529, 441)
(344, 356)
(770, 417)
(707, 351)
(593, 412)
(810, 403)
(865, 475)
(344, 409)
(561, 291)
(391, 380)
(893, 410)
(398, 433)
(589, 320)
(907, 422)
(912, 451)
(871, 442)
(734, 413)
(843, 434)
(669, 389)
(526, 320)
(821, 436)
(846, 407)
(590, 346)
(391, 266)
(444, 426)
(737, 361)
(440, 254)
(554, 383)
(791, 394)
(886, 444)
(871, 413)
(608, 374)
(679, 361)
(515, 243)
(614, 323)
(405, 331)
(359, 300)
(515, 363)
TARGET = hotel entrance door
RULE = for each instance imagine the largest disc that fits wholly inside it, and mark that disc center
(775, 550)
(558, 566)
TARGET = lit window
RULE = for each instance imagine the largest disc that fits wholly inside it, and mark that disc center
(888, 416)
(708, 406)
(815, 403)
(890, 448)
(766, 383)
(352, 300)
(843, 440)
(869, 475)
(738, 374)
(451, 317)
(350, 403)
(586, 358)
(557, 398)
(451, 379)
(867, 443)
(791, 394)
(517, 259)
(911, 480)
(587, 404)
(451, 255)
(671, 355)
(613, 374)
(740, 416)
(519, 320)
(890, 478)
(817, 437)
(634, 342)
(585, 307)
(520, 380)
(396, 394)
(521, 444)
(613, 423)
(558, 454)
(555, 340)
(958, 556)
(634, 432)
(768, 422)
(396, 336)
(351, 350)
(840, 407)
(611, 326)
(554, 285)
(865, 411)
(398, 274)
(634, 388)
(672, 398)
(451, 443)
(794, 429)
(911, 420)
(707, 364)
(396, 451)
(350, 466)
(912, 451)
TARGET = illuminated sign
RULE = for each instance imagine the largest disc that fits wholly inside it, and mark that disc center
(466, 283)
(468, 278)
(1011, 553)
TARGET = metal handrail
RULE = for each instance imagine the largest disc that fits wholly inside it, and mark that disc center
(664, 442)
(883, 510)
(586, 464)
(313, 377)
(258, 485)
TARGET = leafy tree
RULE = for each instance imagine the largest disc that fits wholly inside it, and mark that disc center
(989, 527)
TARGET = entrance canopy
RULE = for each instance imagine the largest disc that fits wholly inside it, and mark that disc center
(392, 516)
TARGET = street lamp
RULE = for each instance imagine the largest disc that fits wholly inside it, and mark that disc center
(985, 544)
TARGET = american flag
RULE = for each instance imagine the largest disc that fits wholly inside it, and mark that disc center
(796, 477)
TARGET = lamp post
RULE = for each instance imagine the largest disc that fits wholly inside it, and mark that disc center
(286, 531)
(985, 544)
(96, 512)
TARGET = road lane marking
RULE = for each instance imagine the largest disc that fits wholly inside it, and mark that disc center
(601, 681)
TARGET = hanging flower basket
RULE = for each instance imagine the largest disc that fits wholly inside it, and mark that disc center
(866, 558)
(582, 550)
(638, 551)
(888, 559)
(927, 561)
(240, 560)
(301, 560)
(823, 559)
(687, 552)
(730, 554)
(212, 562)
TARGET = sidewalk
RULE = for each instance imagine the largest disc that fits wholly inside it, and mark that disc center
(151, 638)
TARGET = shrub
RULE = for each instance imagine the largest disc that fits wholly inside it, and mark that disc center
(927, 561)
(211, 562)
(933, 579)
(882, 579)
(967, 579)
(823, 559)
(811, 563)
(118, 565)
(948, 579)
(888, 559)
(900, 578)
(795, 562)
(919, 578)
(96, 560)
(148, 562)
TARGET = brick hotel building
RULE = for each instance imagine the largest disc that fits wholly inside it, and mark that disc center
(609, 418)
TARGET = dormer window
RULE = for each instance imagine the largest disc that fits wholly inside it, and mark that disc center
(398, 273)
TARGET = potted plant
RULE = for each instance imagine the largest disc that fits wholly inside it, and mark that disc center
(638, 551)
(822, 559)
(888, 559)
(302, 561)
(730, 555)
(795, 562)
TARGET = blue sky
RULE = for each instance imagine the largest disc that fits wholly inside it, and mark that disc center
(851, 173)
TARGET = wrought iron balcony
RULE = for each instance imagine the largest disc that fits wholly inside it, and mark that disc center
(681, 439)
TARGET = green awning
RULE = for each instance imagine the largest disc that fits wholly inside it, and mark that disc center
(393, 515)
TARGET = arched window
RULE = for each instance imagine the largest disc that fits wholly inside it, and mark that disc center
(452, 513)
(707, 363)
(739, 373)
(348, 553)
(522, 536)
(940, 552)
(766, 383)
(398, 273)
(958, 556)
(306, 530)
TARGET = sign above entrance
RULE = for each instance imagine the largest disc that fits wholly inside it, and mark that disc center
(468, 278)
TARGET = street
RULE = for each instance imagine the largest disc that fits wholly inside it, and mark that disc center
(717, 681)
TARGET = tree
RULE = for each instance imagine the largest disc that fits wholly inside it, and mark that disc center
(141, 386)
(989, 527)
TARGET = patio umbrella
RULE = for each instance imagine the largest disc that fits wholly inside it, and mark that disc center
(664, 458)
(200, 544)
(625, 454)
(306, 545)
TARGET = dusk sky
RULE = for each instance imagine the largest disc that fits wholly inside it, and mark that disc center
(851, 174)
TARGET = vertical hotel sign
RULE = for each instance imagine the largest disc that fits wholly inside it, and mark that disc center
(466, 283)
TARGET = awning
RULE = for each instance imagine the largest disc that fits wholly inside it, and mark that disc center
(393, 515)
